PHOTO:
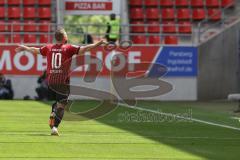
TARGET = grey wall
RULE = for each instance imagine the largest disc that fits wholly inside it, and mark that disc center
(183, 88)
(218, 65)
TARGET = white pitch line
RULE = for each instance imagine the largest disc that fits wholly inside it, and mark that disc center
(191, 119)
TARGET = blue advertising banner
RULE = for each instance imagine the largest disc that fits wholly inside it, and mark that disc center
(179, 61)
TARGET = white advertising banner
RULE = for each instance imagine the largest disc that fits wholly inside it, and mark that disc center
(92, 7)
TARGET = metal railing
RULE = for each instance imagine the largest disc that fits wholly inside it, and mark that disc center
(77, 33)
(13, 33)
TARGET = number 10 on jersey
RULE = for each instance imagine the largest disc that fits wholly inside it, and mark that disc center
(56, 60)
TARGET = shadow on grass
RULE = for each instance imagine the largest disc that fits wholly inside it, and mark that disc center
(198, 139)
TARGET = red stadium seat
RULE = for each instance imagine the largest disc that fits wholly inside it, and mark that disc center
(28, 2)
(185, 27)
(198, 14)
(212, 3)
(172, 40)
(135, 2)
(14, 12)
(2, 38)
(2, 12)
(169, 27)
(45, 39)
(136, 13)
(166, 3)
(139, 39)
(168, 14)
(29, 12)
(44, 26)
(152, 13)
(13, 2)
(14, 25)
(214, 14)
(30, 38)
(2, 2)
(184, 14)
(228, 3)
(30, 26)
(44, 13)
(151, 3)
(197, 3)
(137, 27)
(154, 27)
(182, 3)
(44, 2)
(2, 26)
(15, 38)
(154, 40)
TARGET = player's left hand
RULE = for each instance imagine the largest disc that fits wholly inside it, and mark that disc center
(21, 48)
(103, 42)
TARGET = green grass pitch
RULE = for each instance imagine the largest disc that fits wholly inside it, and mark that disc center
(24, 133)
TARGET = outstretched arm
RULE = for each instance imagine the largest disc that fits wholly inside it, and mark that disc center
(91, 46)
(33, 50)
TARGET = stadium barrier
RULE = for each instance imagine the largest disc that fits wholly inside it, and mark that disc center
(23, 69)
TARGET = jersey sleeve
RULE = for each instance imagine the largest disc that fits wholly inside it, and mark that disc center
(73, 49)
(44, 50)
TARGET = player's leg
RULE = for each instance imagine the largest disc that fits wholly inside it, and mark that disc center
(52, 115)
(58, 107)
(58, 112)
(58, 116)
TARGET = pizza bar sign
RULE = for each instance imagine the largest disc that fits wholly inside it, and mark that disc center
(89, 6)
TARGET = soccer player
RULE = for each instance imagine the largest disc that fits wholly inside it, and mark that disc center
(57, 55)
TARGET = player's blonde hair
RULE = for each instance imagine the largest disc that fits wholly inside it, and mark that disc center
(60, 34)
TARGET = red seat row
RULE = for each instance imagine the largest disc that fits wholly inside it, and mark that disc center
(27, 38)
(28, 26)
(26, 2)
(180, 14)
(212, 3)
(28, 12)
(182, 3)
(140, 39)
(167, 27)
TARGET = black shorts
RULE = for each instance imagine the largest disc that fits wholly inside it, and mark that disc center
(61, 93)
